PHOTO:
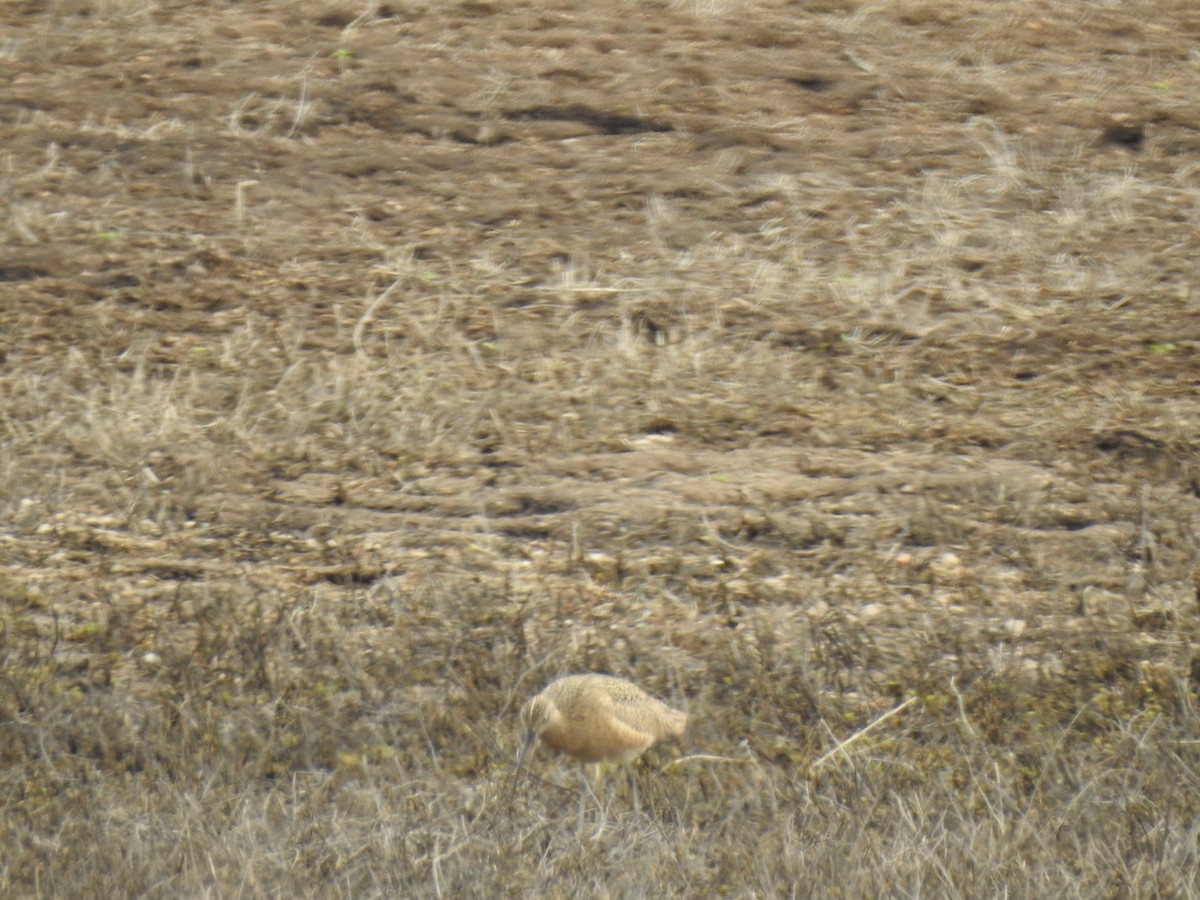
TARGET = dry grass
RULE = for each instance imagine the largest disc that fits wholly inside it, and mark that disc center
(365, 367)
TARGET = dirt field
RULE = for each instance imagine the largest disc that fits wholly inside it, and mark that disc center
(364, 366)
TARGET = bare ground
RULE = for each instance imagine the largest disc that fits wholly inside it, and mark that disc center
(364, 366)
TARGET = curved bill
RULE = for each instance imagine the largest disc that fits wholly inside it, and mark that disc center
(530, 736)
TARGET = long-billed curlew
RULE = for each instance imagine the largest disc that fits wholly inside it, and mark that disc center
(597, 718)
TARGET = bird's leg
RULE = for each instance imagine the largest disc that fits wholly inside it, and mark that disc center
(584, 771)
(582, 802)
(633, 786)
(597, 771)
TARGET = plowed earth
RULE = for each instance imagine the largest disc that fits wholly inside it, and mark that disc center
(438, 348)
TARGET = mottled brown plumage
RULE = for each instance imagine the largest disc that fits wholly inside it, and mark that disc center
(598, 718)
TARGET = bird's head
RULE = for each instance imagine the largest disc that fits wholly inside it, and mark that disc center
(537, 715)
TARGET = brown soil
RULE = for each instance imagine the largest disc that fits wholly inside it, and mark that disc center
(364, 366)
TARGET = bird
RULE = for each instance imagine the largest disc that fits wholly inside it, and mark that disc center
(595, 719)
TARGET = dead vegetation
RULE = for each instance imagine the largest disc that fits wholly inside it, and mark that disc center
(366, 366)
